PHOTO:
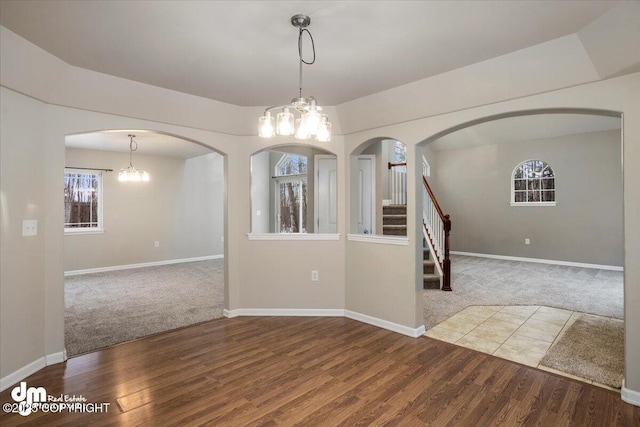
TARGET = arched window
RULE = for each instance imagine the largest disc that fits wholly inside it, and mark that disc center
(533, 184)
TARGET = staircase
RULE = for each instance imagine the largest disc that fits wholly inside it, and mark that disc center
(394, 220)
(430, 277)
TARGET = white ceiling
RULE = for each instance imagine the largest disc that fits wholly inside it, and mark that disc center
(524, 128)
(149, 143)
(245, 52)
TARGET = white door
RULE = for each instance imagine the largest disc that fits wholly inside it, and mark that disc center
(366, 201)
(326, 214)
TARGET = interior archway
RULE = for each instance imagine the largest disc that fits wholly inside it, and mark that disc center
(294, 190)
(378, 180)
(575, 140)
(157, 263)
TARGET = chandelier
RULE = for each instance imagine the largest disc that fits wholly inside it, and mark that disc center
(131, 173)
(311, 121)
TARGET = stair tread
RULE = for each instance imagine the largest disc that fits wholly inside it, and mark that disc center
(431, 277)
(394, 215)
(428, 261)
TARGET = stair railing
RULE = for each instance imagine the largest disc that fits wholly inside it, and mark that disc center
(437, 226)
(398, 183)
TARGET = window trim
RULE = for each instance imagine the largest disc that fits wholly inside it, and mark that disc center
(89, 230)
(541, 203)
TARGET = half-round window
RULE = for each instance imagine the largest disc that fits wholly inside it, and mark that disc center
(533, 184)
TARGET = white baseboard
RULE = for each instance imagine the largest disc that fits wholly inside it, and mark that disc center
(632, 397)
(320, 312)
(385, 324)
(541, 261)
(32, 368)
(144, 264)
(59, 357)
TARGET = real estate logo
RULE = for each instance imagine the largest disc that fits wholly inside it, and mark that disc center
(27, 397)
(33, 399)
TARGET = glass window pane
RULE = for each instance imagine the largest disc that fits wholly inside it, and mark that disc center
(533, 196)
(81, 196)
(520, 196)
(534, 184)
(549, 196)
(290, 207)
(520, 184)
(548, 183)
(519, 174)
(292, 164)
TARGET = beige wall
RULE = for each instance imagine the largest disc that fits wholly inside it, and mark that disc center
(22, 196)
(612, 95)
(181, 207)
(586, 224)
(32, 286)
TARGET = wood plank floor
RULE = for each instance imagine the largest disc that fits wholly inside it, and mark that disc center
(313, 371)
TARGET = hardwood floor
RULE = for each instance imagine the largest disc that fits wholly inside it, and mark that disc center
(313, 371)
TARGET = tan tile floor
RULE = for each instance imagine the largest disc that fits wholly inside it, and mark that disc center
(521, 334)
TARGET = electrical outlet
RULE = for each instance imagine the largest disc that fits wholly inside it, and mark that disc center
(527, 241)
(314, 276)
(258, 213)
(222, 239)
(156, 244)
(30, 227)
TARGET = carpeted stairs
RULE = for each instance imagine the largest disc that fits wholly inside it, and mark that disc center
(394, 223)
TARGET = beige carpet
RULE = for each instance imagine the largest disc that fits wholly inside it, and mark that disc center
(591, 348)
(103, 309)
(482, 281)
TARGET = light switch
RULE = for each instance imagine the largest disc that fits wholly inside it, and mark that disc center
(30, 227)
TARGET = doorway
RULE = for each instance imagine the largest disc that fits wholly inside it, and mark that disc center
(156, 261)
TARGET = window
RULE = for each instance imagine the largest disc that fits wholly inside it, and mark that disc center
(82, 201)
(400, 152)
(533, 184)
(291, 194)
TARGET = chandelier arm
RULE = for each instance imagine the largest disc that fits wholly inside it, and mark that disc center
(276, 107)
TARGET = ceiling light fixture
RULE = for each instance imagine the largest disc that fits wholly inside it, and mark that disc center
(130, 173)
(312, 122)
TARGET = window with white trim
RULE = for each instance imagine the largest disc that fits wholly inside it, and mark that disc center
(291, 194)
(82, 201)
(533, 184)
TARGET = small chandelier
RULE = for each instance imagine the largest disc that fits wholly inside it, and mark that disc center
(131, 173)
(312, 122)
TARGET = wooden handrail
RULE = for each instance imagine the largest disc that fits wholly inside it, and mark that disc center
(393, 165)
(446, 225)
(435, 201)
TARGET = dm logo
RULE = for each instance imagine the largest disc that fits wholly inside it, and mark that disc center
(27, 397)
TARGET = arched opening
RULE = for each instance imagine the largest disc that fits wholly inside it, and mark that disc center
(294, 191)
(547, 266)
(156, 260)
(379, 185)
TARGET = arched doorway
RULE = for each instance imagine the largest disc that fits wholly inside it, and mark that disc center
(499, 241)
(154, 258)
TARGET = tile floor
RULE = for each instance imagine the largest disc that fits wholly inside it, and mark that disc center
(520, 333)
